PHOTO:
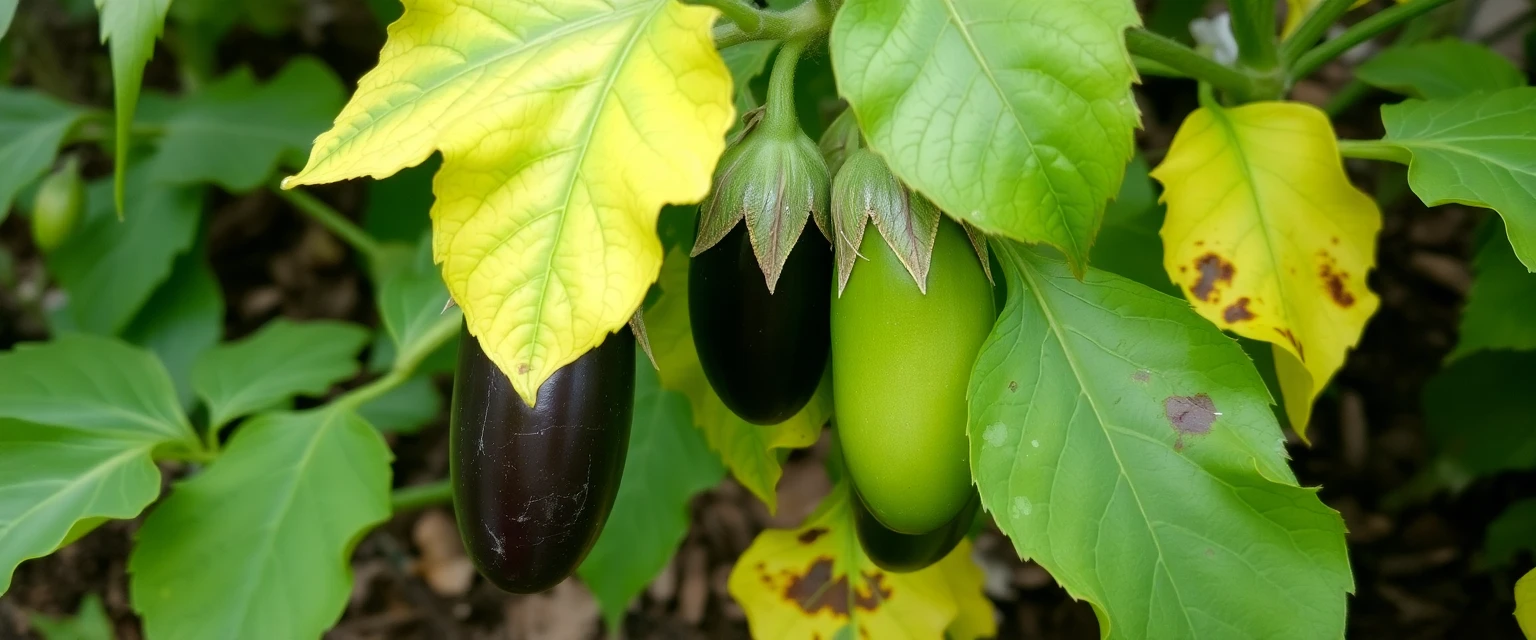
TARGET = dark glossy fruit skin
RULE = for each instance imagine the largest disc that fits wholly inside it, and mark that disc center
(763, 352)
(532, 486)
(904, 553)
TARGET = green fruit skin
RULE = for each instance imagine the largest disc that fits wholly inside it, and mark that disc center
(901, 362)
(56, 209)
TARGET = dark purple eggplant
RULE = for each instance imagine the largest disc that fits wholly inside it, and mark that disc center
(902, 552)
(532, 486)
(762, 352)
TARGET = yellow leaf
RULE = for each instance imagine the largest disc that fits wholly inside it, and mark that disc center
(748, 450)
(796, 584)
(564, 128)
(1268, 239)
(1525, 604)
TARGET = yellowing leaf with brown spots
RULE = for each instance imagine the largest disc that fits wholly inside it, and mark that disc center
(815, 581)
(1268, 239)
(564, 127)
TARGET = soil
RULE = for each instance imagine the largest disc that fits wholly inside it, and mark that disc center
(1415, 558)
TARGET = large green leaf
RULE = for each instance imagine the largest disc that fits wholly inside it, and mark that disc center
(1449, 68)
(751, 452)
(668, 463)
(564, 127)
(32, 126)
(258, 545)
(129, 27)
(1014, 115)
(1478, 150)
(234, 131)
(282, 360)
(1128, 446)
(80, 419)
(184, 318)
(412, 299)
(1501, 305)
(110, 267)
(1481, 415)
(406, 408)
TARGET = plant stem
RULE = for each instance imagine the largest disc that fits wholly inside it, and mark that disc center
(780, 118)
(421, 496)
(1362, 31)
(1149, 67)
(332, 219)
(1174, 55)
(1253, 25)
(1374, 150)
(405, 363)
(1312, 29)
(806, 21)
(745, 16)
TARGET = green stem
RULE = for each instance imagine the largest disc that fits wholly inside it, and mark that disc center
(780, 119)
(1312, 29)
(1253, 26)
(1174, 55)
(421, 496)
(1374, 150)
(1364, 30)
(806, 21)
(745, 16)
(1149, 67)
(405, 363)
(332, 219)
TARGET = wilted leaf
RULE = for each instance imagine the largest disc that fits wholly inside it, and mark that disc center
(234, 132)
(1128, 447)
(1448, 68)
(110, 266)
(282, 360)
(815, 581)
(32, 126)
(750, 451)
(257, 546)
(129, 27)
(1478, 150)
(1502, 302)
(564, 128)
(1268, 239)
(80, 419)
(1014, 116)
(667, 464)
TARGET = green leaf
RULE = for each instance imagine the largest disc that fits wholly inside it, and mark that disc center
(234, 132)
(1481, 415)
(564, 128)
(1128, 446)
(258, 545)
(110, 266)
(7, 12)
(1512, 532)
(32, 126)
(129, 27)
(1501, 303)
(80, 419)
(406, 408)
(282, 360)
(412, 299)
(184, 318)
(667, 464)
(1014, 116)
(1479, 150)
(90, 622)
(92, 383)
(1128, 243)
(397, 205)
(1448, 68)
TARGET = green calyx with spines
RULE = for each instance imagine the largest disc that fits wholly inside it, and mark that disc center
(865, 190)
(774, 177)
(841, 138)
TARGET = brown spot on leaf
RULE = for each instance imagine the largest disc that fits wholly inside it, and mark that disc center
(1141, 375)
(1013, 385)
(816, 590)
(1237, 311)
(810, 535)
(1213, 271)
(1334, 280)
(522, 369)
(1334, 240)
(1189, 416)
(1291, 338)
